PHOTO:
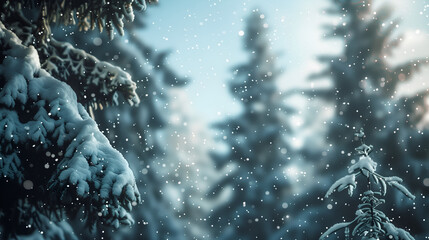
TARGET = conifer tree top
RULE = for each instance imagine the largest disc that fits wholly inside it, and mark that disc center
(369, 223)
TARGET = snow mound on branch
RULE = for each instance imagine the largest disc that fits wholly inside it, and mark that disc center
(365, 164)
(348, 182)
(39, 113)
(96, 82)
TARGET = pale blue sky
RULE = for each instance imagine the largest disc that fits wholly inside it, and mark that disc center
(205, 44)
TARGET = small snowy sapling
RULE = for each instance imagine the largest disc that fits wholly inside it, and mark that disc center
(369, 223)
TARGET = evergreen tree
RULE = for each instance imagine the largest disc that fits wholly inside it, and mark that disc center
(365, 84)
(52, 154)
(138, 132)
(257, 145)
(54, 160)
(369, 223)
(363, 94)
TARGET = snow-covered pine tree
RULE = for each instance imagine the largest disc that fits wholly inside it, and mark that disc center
(370, 222)
(136, 131)
(42, 116)
(54, 160)
(257, 145)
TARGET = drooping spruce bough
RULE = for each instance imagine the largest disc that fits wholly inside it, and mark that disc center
(55, 164)
(369, 223)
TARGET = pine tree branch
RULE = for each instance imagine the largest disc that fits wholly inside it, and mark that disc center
(82, 168)
(96, 83)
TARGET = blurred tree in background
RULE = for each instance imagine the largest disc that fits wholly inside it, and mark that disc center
(190, 170)
(365, 83)
(364, 94)
(257, 147)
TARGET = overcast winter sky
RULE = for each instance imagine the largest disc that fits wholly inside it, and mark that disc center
(205, 41)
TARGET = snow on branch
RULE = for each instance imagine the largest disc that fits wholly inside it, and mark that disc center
(87, 15)
(396, 233)
(365, 165)
(44, 132)
(348, 182)
(96, 83)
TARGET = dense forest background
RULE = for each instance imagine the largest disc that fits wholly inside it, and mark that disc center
(227, 123)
